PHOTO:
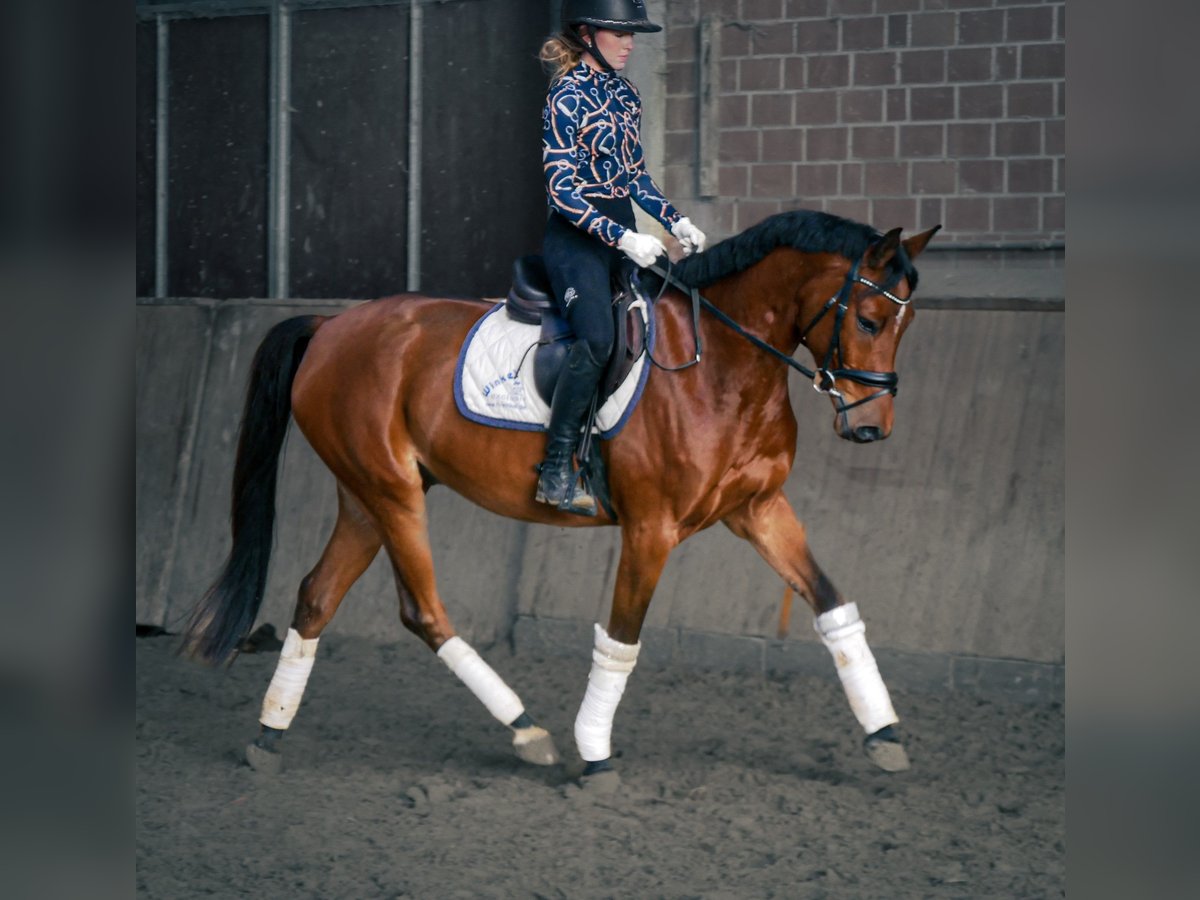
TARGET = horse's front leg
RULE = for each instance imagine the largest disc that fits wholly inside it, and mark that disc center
(769, 523)
(644, 552)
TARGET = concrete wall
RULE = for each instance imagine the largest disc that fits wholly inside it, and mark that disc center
(949, 534)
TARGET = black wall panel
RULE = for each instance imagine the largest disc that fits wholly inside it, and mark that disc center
(482, 196)
(349, 169)
(218, 140)
(144, 137)
(482, 202)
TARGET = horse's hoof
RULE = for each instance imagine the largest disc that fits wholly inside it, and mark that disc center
(534, 745)
(269, 762)
(885, 750)
(601, 784)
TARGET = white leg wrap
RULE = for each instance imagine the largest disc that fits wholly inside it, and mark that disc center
(287, 685)
(612, 662)
(842, 631)
(501, 701)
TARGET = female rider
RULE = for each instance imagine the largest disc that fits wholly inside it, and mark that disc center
(593, 165)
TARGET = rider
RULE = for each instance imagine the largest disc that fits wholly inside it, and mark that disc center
(592, 162)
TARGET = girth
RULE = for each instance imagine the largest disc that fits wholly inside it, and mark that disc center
(530, 300)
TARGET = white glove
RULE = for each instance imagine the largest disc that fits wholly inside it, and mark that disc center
(689, 236)
(643, 249)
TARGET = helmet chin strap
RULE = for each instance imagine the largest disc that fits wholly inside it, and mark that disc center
(594, 50)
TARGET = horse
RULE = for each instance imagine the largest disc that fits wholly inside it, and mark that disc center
(371, 390)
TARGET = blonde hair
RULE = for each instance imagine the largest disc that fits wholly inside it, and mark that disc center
(559, 55)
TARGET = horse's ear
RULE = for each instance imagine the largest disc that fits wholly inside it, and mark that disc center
(915, 244)
(881, 252)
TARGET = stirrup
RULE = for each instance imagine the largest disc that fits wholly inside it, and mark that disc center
(577, 500)
(580, 502)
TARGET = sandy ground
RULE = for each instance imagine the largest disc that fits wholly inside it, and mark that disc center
(399, 784)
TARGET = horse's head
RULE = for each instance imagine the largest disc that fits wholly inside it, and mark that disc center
(853, 334)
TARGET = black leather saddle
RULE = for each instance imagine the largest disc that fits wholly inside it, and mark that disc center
(530, 300)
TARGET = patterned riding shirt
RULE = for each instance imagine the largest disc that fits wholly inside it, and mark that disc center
(592, 148)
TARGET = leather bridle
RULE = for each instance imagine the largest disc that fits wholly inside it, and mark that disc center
(824, 378)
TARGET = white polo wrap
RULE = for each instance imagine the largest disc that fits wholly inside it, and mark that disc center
(287, 684)
(843, 632)
(612, 662)
(501, 701)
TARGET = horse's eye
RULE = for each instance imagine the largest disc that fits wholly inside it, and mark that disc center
(868, 326)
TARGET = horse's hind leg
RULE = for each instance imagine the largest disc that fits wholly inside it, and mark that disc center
(351, 548)
(771, 526)
(421, 611)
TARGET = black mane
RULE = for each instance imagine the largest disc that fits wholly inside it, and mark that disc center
(803, 229)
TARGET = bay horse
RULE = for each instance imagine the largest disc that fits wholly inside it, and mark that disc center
(371, 390)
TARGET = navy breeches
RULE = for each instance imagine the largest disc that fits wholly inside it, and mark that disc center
(581, 269)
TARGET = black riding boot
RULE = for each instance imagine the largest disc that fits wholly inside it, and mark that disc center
(558, 482)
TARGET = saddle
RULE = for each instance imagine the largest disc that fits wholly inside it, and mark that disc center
(530, 300)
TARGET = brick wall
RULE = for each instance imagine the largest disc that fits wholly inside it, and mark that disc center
(893, 112)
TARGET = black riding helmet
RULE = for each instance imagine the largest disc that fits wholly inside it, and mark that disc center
(615, 15)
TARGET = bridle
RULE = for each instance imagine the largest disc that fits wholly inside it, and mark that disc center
(824, 378)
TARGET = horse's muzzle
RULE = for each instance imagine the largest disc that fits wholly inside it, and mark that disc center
(862, 434)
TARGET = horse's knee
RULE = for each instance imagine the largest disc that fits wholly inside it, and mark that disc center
(600, 348)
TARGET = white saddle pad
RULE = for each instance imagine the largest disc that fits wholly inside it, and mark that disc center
(493, 382)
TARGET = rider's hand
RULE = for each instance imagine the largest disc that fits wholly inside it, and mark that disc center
(689, 236)
(643, 249)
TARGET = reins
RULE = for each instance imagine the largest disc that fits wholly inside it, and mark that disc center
(823, 378)
(668, 278)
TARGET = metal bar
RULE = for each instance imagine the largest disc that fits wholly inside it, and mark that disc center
(211, 9)
(1022, 246)
(415, 110)
(993, 304)
(284, 147)
(280, 158)
(160, 158)
(272, 149)
(708, 167)
(203, 9)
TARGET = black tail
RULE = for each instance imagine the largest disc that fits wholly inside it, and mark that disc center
(225, 615)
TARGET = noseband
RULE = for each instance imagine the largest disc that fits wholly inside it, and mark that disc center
(824, 379)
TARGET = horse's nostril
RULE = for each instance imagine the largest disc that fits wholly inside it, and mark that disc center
(864, 434)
